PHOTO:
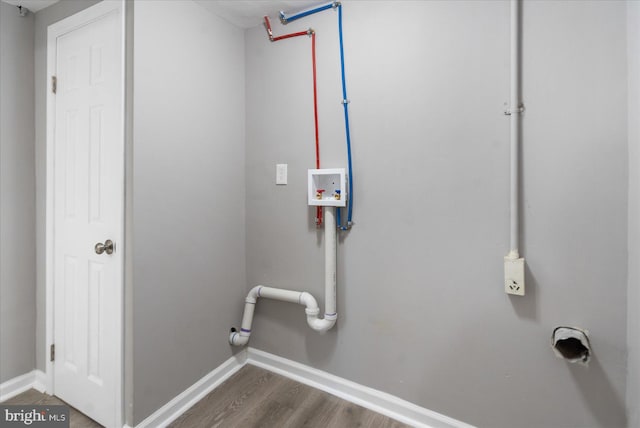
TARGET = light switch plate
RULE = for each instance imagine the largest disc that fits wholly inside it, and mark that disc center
(281, 173)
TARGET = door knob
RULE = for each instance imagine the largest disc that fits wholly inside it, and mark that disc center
(106, 247)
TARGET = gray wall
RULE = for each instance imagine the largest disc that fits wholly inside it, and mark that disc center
(17, 195)
(43, 19)
(422, 310)
(633, 308)
(427, 98)
(188, 243)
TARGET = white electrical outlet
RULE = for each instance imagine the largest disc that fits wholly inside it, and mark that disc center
(281, 173)
(514, 276)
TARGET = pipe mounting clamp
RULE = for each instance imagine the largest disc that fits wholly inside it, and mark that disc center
(519, 110)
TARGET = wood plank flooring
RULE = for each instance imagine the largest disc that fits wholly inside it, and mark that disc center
(253, 397)
(76, 419)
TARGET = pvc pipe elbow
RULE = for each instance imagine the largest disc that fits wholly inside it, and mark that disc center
(310, 302)
(312, 310)
(253, 295)
(238, 338)
(321, 325)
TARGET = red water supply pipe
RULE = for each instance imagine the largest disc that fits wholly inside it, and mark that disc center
(267, 25)
(288, 36)
(285, 36)
(315, 116)
(315, 97)
(312, 33)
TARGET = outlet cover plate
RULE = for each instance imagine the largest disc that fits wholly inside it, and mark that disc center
(514, 276)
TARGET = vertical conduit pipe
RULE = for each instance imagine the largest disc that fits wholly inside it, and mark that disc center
(515, 108)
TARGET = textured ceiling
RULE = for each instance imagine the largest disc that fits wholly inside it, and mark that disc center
(247, 14)
(243, 13)
(32, 5)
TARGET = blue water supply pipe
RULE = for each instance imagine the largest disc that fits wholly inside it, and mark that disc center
(345, 101)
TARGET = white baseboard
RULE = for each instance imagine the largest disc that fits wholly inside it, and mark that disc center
(34, 379)
(378, 401)
(372, 399)
(40, 381)
(196, 392)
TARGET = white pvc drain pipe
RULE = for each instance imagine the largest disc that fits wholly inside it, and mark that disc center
(321, 325)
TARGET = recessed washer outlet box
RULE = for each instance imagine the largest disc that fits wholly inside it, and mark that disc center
(327, 187)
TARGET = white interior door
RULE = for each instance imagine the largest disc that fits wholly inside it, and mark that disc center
(88, 176)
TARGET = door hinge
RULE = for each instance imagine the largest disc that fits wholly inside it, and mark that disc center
(53, 352)
(54, 84)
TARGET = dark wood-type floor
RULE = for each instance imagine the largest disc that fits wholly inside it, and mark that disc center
(254, 397)
(77, 419)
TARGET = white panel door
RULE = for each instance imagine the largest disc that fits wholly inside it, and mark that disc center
(88, 209)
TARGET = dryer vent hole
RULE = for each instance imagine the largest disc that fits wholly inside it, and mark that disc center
(572, 349)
